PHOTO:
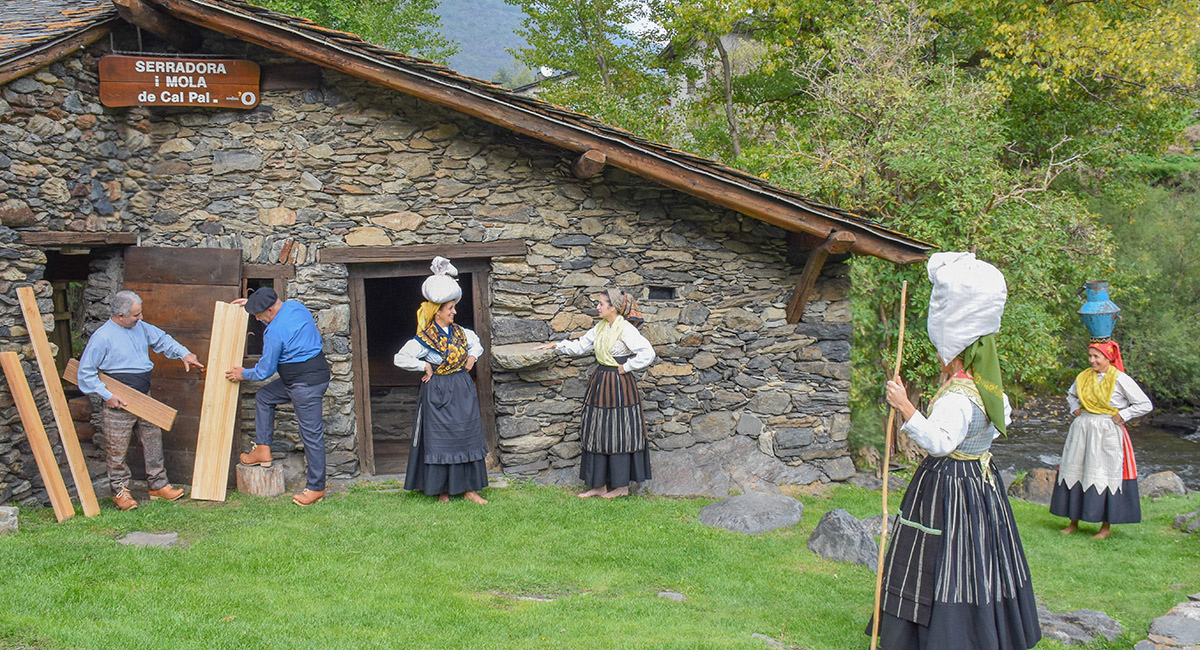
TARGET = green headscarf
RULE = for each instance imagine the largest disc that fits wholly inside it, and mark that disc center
(982, 361)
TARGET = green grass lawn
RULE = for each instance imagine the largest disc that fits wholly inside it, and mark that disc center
(536, 568)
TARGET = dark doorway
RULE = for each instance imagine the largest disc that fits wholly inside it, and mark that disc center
(391, 321)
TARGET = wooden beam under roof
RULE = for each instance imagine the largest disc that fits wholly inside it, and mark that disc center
(47, 54)
(668, 170)
(182, 36)
(837, 243)
(46, 238)
(589, 163)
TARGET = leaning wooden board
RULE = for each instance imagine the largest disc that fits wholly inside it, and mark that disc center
(136, 402)
(35, 431)
(58, 401)
(218, 413)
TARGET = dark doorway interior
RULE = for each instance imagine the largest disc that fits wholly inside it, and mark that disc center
(391, 320)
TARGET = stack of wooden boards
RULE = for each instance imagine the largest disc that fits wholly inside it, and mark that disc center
(217, 418)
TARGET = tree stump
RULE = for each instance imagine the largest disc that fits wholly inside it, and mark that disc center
(260, 481)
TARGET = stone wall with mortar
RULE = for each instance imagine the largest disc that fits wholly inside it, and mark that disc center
(737, 398)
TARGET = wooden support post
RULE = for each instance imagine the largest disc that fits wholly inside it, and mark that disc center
(838, 242)
(218, 412)
(589, 163)
(260, 481)
(36, 433)
(136, 402)
(179, 34)
(58, 402)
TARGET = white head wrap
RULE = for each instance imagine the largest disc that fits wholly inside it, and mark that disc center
(441, 286)
(966, 304)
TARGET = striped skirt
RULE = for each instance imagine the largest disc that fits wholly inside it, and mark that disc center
(955, 575)
(614, 432)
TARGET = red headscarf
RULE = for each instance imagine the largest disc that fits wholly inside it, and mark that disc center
(1111, 350)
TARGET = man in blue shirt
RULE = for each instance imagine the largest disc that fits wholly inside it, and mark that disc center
(291, 346)
(119, 350)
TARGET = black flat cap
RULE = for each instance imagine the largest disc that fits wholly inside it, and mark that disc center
(261, 300)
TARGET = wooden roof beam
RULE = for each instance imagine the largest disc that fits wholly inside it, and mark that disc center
(23, 65)
(837, 243)
(589, 163)
(181, 35)
(620, 154)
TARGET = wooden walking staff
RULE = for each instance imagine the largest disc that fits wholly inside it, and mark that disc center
(887, 461)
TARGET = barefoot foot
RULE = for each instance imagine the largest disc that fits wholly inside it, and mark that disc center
(1105, 531)
(443, 498)
(474, 496)
(619, 492)
(1070, 529)
(594, 492)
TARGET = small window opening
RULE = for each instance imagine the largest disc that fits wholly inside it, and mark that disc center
(661, 293)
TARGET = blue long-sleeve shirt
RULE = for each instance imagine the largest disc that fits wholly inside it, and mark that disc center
(291, 337)
(116, 349)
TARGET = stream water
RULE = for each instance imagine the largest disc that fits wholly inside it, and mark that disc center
(1036, 441)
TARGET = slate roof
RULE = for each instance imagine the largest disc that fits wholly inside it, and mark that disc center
(29, 25)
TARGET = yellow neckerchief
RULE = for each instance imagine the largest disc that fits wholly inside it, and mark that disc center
(1096, 393)
(453, 348)
(606, 335)
(964, 385)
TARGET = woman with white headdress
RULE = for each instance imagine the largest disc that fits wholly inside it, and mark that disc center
(613, 436)
(955, 574)
(448, 445)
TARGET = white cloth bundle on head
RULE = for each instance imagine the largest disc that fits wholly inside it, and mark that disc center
(966, 304)
(441, 286)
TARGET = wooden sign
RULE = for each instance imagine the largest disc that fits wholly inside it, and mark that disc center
(218, 413)
(136, 402)
(35, 431)
(172, 81)
(58, 401)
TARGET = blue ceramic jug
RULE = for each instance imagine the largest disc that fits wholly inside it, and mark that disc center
(1099, 314)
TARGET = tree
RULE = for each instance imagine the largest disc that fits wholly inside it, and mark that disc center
(410, 26)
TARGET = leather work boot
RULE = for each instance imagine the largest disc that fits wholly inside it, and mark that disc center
(123, 500)
(260, 455)
(166, 492)
(308, 497)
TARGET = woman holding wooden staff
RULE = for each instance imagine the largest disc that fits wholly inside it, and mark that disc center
(955, 575)
(448, 445)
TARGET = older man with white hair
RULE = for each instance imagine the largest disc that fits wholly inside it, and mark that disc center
(119, 349)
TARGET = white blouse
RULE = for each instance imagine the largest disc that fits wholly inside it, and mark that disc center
(1128, 398)
(946, 427)
(414, 354)
(631, 344)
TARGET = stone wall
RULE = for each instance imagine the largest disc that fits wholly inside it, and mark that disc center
(737, 399)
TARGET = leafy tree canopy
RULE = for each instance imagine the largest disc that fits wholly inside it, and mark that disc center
(410, 26)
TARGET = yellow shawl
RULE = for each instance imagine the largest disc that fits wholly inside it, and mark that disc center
(606, 336)
(1095, 393)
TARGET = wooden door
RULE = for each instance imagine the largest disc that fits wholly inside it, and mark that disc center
(179, 288)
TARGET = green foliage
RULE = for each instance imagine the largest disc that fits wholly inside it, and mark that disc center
(410, 26)
(513, 76)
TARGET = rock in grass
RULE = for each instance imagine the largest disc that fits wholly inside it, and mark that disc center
(152, 540)
(8, 520)
(1160, 484)
(753, 513)
(1035, 487)
(841, 536)
(1078, 626)
(1178, 628)
(1188, 522)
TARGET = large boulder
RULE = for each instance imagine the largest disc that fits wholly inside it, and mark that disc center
(1177, 629)
(753, 513)
(1161, 484)
(719, 469)
(1078, 626)
(1035, 487)
(516, 356)
(841, 536)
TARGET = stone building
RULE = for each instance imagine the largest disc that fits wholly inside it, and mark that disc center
(354, 168)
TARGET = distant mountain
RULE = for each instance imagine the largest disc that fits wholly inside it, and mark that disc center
(482, 29)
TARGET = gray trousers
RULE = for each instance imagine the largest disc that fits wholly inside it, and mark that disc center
(306, 400)
(118, 425)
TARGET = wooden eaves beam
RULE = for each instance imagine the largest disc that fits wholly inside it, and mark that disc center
(837, 243)
(621, 154)
(50, 53)
(589, 163)
(145, 15)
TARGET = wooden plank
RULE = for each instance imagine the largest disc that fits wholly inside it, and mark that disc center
(589, 163)
(838, 242)
(136, 402)
(222, 400)
(160, 304)
(58, 402)
(703, 181)
(79, 238)
(422, 252)
(483, 365)
(35, 431)
(184, 265)
(42, 56)
(363, 434)
(182, 36)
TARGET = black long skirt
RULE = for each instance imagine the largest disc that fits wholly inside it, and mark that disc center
(449, 448)
(614, 431)
(955, 574)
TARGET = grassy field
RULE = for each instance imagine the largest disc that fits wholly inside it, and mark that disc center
(536, 568)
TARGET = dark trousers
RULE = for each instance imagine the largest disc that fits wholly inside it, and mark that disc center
(306, 400)
(118, 426)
